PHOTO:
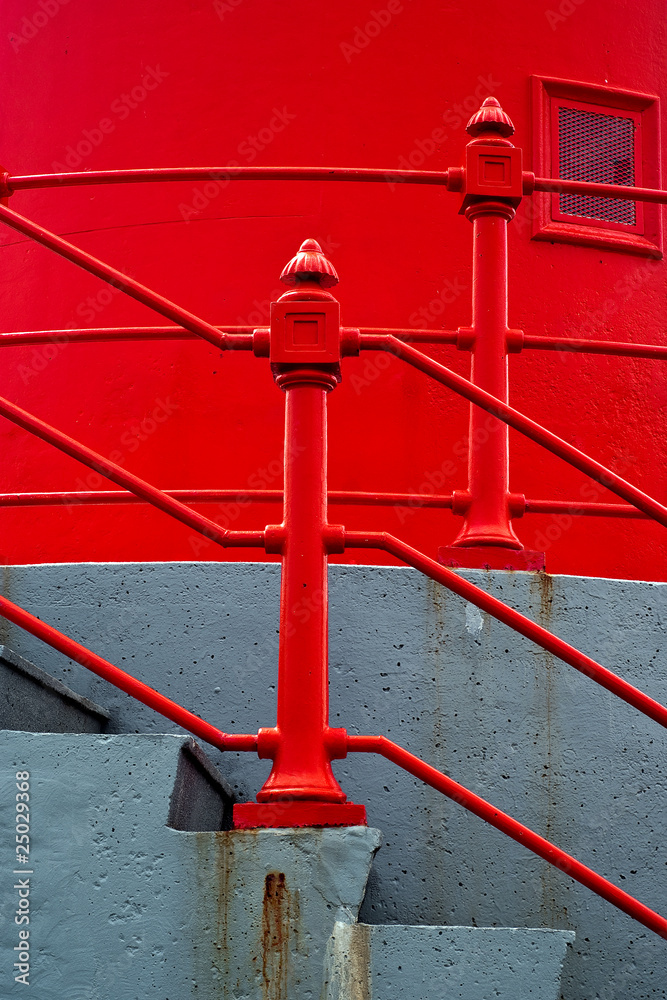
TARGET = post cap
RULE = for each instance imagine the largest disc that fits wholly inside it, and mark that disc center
(310, 264)
(490, 119)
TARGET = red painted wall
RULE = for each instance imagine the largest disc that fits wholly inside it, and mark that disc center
(250, 81)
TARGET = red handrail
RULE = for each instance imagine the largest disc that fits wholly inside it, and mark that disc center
(127, 480)
(360, 744)
(305, 535)
(171, 174)
(448, 178)
(621, 192)
(531, 630)
(517, 831)
(520, 422)
(239, 338)
(363, 499)
(611, 347)
(136, 689)
(114, 277)
(587, 509)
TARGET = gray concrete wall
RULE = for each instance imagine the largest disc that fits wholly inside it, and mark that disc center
(419, 665)
(120, 906)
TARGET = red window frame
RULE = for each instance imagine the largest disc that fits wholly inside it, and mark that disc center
(553, 225)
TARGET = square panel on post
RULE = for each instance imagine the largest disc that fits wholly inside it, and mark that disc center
(306, 332)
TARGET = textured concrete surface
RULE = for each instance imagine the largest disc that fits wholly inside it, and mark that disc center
(33, 701)
(396, 962)
(412, 661)
(201, 799)
(121, 906)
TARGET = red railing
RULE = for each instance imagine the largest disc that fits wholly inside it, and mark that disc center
(302, 789)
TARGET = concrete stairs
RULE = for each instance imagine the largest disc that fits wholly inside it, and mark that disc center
(33, 701)
(135, 888)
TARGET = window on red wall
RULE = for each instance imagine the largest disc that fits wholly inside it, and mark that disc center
(607, 136)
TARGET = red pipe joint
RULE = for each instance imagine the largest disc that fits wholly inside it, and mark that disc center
(462, 499)
(269, 742)
(5, 189)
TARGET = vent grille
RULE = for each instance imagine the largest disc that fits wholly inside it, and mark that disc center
(600, 149)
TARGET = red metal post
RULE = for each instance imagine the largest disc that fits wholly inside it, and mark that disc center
(493, 190)
(487, 519)
(487, 516)
(305, 356)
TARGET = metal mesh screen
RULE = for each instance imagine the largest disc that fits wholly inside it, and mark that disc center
(597, 148)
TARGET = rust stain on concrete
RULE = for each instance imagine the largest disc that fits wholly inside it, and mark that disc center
(276, 932)
(6, 592)
(213, 870)
(546, 585)
(349, 963)
(360, 963)
(549, 903)
(223, 863)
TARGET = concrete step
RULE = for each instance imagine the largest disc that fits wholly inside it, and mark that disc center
(133, 888)
(401, 962)
(124, 905)
(34, 702)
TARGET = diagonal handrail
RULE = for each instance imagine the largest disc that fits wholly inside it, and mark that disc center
(498, 609)
(520, 422)
(512, 828)
(114, 277)
(140, 488)
(114, 675)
